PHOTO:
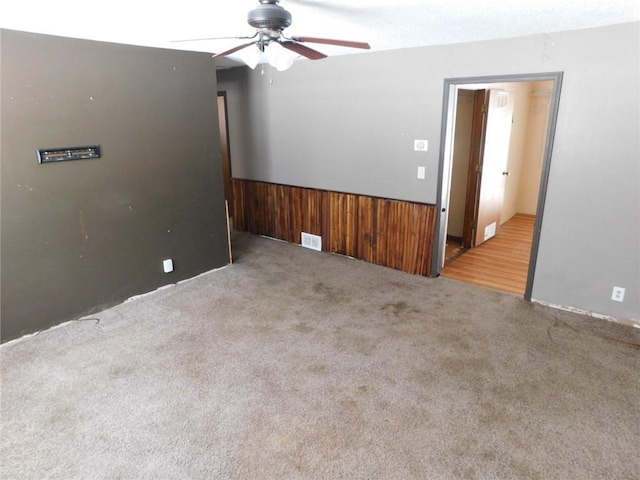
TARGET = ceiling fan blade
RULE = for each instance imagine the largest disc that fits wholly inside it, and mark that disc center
(213, 38)
(325, 5)
(234, 49)
(303, 50)
(330, 41)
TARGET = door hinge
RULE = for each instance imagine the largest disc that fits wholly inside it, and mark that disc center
(478, 168)
(484, 108)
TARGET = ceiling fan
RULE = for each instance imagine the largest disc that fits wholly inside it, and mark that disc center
(269, 20)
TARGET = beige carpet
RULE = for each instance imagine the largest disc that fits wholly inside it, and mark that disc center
(294, 364)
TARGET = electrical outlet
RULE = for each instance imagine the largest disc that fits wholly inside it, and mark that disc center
(618, 294)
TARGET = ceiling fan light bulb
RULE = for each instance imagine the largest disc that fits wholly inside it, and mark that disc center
(251, 56)
(278, 57)
(284, 63)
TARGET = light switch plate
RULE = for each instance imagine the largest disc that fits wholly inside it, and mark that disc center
(421, 173)
(167, 265)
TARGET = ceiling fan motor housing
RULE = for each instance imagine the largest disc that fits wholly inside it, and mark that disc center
(269, 16)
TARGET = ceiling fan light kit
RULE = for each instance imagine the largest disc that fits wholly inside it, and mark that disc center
(274, 54)
(270, 19)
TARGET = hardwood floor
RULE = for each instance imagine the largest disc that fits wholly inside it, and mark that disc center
(453, 249)
(501, 263)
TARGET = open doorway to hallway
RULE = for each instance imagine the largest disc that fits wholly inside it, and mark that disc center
(499, 138)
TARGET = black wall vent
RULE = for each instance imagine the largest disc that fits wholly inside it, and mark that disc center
(49, 155)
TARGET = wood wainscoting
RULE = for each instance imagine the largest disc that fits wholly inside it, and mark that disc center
(391, 233)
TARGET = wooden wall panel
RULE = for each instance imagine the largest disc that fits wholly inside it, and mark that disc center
(239, 203)
(391, 233)
(382, 226)
(311, 211)
(339, 223)
(282, 212)
(367, 238)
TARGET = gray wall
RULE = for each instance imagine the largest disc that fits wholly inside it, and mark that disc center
(347, 123)
(78, 236)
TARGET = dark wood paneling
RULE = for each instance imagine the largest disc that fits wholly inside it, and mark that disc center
(308, 205)
(339, 223)
(239, 220)
(367, 237)
(391, 233)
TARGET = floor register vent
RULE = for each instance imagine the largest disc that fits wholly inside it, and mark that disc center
(311, 241)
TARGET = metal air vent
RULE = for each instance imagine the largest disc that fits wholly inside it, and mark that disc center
(50, 155)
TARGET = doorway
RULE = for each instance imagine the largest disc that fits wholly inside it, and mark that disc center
(496, 218)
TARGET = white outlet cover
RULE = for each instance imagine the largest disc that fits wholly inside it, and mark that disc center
(420, 145)
(421, 173)
(618, 294)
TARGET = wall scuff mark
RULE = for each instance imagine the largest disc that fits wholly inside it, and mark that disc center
(83, 226)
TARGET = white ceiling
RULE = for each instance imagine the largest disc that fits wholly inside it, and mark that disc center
(384, 25)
